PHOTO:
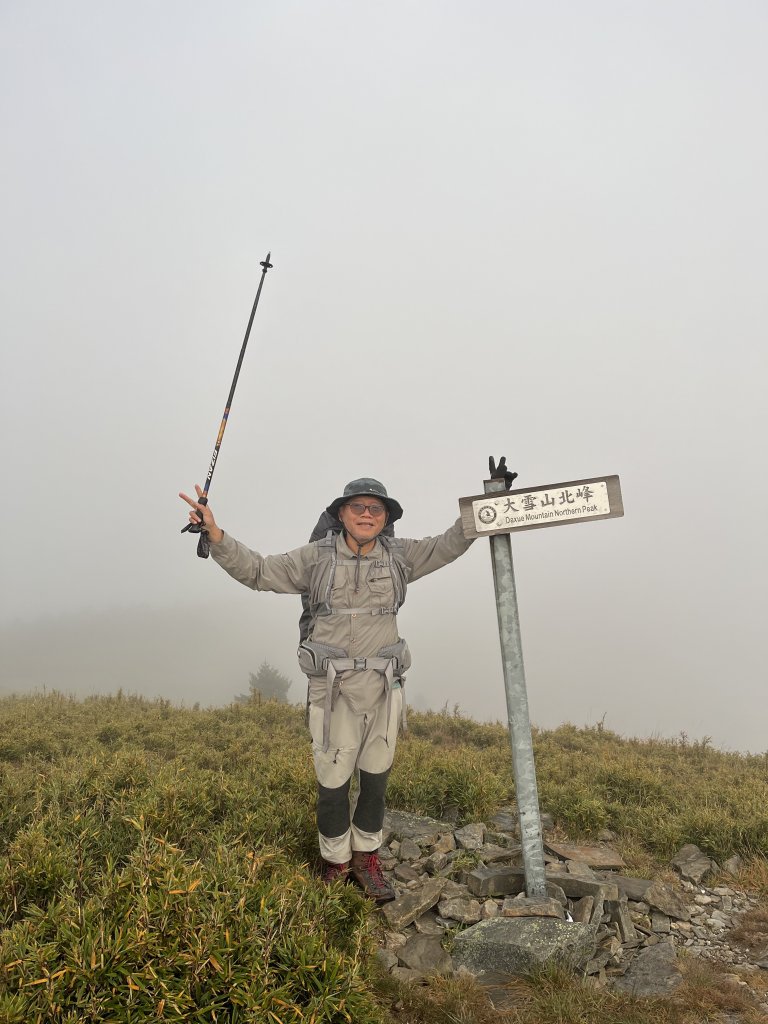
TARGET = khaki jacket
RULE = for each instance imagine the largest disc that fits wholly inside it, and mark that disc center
(361, 635)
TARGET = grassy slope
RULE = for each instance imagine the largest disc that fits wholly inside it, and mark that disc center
(156, 858)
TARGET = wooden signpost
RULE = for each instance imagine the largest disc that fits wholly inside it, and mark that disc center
(496, 514)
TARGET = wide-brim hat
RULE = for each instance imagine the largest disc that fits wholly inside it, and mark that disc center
(366, 485)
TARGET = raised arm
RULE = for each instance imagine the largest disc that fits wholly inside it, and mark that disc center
(430, 553)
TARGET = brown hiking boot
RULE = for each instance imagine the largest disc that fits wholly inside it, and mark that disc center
(365, 869)
(334, 872)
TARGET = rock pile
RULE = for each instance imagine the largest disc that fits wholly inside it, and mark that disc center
(618, 930)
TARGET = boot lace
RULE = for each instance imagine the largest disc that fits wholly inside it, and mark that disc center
(373, 867)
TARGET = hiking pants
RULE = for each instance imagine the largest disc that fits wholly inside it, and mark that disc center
(361, 744)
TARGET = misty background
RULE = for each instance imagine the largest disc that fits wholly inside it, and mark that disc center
(537, 231)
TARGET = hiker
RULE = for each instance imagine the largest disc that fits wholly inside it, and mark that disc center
(355, 660)
(324, 527)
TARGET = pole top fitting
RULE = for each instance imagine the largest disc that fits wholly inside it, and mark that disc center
(265, 263)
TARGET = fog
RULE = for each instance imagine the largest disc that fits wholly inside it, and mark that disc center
(537, 231)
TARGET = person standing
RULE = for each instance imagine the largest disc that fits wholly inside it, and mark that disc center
(353, 656)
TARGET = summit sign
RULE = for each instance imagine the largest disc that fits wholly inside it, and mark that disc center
(552, 505)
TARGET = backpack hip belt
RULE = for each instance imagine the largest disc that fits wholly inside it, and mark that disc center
(318, 659)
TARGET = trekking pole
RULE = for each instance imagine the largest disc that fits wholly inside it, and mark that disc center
(203, 544)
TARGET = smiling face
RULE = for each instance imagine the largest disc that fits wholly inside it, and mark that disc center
(362, 520)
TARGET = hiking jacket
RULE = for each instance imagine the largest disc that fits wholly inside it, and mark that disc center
(361, 635)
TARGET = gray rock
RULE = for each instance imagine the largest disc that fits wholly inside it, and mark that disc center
(411, 826)
(579, 869)
(424, 953)
(505, 820)
(692, 863)
(386, 959)
(409, 850)
(532, 906)
(621, 917)
(518, 945)
(660, 922)
(595, 856)
(445, 844)
(435, 863)
(490, 853)
(470, 837)
(632, 888)
(405, 873)
(496, 881)
(489, 909)
(465, 911)
(508, 881)
(406, 974)
(406, 908)
(556, 892)
(733, 865)
(582, 909)
(665, 899)
(428, 924)
(653, 972)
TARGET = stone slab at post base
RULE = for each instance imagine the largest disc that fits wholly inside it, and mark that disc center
(517, 946)
(506, 881)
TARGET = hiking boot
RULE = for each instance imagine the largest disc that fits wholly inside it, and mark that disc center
(365, 869)
(334, 872)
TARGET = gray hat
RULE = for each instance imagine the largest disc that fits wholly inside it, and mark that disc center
(362, 486)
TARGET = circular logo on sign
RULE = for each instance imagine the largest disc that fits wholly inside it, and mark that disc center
(487, 514)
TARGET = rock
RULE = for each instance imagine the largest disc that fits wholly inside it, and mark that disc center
(496, 881)
(595, 856)
(394, 941)
(665, 899)
(435, 863)
(465, 911)
(489, 909)
(519, 945)
(405, 873)
(660, 922)
(505, 820)
(386, 958)
(490, 853)
(622, 918)
(632, 888)
(410, 826)
(470, 837)
(691, 863)
(406, 974)
(653, 972)
(579, 869)
(452, 888)
(556, 892)
(409, 850)
(424, 953)
(444, 844)
(582, 909)
(428, 924)
(532, 906)
(508, 881)
(733, 865)
(406, 908)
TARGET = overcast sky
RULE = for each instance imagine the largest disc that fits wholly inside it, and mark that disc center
(537, 230)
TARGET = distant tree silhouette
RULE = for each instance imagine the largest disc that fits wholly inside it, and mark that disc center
(266, 684)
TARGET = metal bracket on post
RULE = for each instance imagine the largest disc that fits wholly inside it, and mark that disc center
(517, 708)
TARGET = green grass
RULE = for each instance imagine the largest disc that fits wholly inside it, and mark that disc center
(158, 862)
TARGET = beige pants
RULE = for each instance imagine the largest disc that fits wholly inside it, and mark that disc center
(361, 745)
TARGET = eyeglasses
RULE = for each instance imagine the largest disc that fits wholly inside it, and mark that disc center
(375, 509)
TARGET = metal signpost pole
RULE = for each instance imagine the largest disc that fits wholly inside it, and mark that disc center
(517, 708)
